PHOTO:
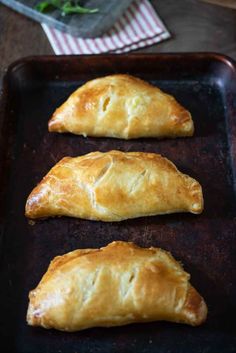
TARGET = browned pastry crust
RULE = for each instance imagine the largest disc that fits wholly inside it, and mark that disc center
(114, 186)
(112, 286)
(121, 106)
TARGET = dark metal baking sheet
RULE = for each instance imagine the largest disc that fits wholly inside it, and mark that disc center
(205, 244)
(86, 25)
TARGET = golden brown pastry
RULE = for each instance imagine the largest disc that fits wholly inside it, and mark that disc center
(114, 186)
(121, 106)
(112, 286)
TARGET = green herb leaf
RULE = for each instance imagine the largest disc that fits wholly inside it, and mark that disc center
(66, 7)
(43, 6)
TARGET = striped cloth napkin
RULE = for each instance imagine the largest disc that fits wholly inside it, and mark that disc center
(139, 26)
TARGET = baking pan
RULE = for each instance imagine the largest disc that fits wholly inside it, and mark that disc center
(86, 25)
(205, 244)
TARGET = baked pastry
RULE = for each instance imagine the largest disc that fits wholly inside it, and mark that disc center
(112, 286)
(114, 186)
(121, 106)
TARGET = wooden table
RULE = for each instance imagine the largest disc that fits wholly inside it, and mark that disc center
(194, 25)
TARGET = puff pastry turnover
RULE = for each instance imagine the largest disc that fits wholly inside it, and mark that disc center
(114, 186)
(121, 106)
(112, 286)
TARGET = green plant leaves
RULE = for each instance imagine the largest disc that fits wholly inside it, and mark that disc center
(66, 7)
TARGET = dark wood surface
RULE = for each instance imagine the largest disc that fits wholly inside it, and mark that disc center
(226, 3)
(194, 25)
